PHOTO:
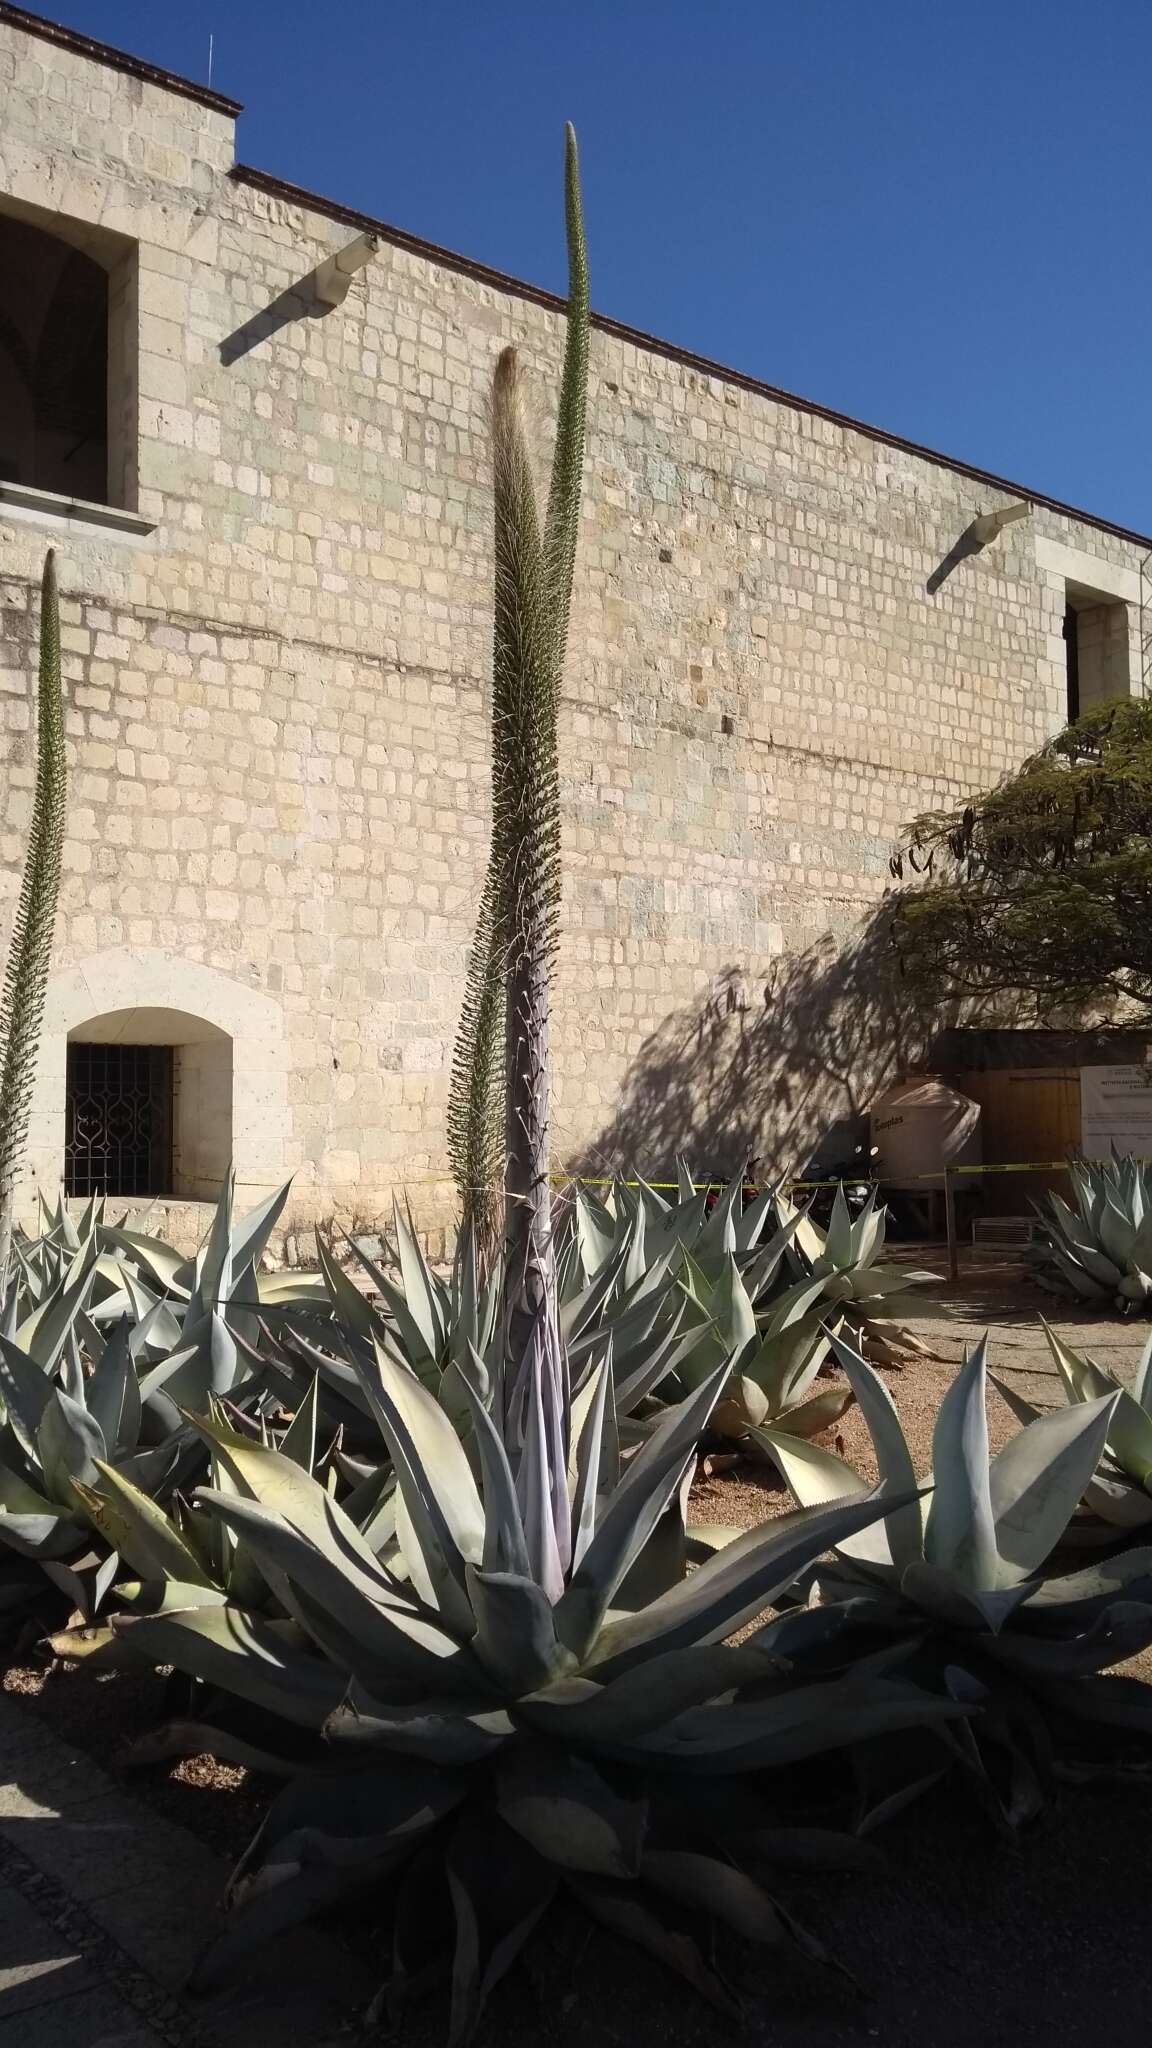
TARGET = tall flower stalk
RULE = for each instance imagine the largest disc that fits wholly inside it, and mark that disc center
(30, 942)
(498, 1107)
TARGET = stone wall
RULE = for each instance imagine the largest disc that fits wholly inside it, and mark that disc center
(277, 692)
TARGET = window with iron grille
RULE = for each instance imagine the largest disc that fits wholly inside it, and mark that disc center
(118, 1120)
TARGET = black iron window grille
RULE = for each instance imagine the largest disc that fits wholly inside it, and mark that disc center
(118, 1120)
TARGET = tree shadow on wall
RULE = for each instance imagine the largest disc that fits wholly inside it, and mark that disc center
(782, 1069)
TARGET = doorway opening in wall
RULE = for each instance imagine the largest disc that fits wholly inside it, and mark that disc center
(67, 356)
(148, 1107)
(118, 1120)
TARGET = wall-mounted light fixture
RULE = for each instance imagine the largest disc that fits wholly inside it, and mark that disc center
(332, 278)
(989, 524)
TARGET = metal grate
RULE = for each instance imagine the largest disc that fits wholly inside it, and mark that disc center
(118, 1122)
(1002, 1233)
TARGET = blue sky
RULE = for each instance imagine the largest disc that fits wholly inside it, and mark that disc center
(935, 217)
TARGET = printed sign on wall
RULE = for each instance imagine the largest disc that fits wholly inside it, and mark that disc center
(1116, 1110)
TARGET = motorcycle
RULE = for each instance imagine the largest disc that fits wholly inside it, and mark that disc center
(852, 1174)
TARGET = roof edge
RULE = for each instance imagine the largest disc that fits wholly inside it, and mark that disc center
(116, 60)
(652, 344)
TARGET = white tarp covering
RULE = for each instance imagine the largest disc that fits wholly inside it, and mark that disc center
(1116, 1110)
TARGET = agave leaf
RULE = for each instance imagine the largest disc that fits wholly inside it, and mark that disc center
(569, 1813)
(352, 1307)
(628, 1915)
(594, 1233)
(69, 1442)
(434, 1477)
(26, 1389)
(748, 1224)
(504, 1545)
(588, 1454)
(428, 1730)
(944, 1596)
(868, 1231)
(631, 1514)
(173, 1273)
(719, 1231)
(113, 1394)
(140, 1531)
(379, 1640)
(278, 1484)
(44, 1333)
(808, 1237)
(869, 1283)
(1123, 1630)
(704, 1885)
(515, 1638)
(326, 1834)
(819, 1412)
(816, 1476)
(40, 1535)
(250, 1236)
(1024, 1411)
(728, 1739)
(499, 1888)
(213, 1277)
(644, 1698)
(419, 1290)
(732, 1587)
(838, 1245)
(299, 1440)
(1130, 1430)
(337, 1375)
(224, 1646)
(1036, 1481)
(959, 1530)
(1114, 1702)
(905, 1531)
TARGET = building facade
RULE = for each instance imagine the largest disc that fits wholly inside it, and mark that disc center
(267, 482)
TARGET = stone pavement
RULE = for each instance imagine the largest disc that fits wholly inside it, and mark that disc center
(104, 1909)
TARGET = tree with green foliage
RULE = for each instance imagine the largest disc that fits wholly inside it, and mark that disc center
(30, 941)
(1041, 887)
(498, 1101)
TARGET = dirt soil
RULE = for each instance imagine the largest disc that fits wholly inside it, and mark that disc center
(958, 1939)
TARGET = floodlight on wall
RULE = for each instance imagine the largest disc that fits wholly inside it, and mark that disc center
(989, 524)
(333, 277)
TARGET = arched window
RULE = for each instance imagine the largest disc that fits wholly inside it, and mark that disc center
(148, 1106)
(65, 347)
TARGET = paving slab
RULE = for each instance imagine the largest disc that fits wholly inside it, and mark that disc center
(105, 1909)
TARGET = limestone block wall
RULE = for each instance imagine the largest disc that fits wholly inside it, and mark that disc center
(277, 678)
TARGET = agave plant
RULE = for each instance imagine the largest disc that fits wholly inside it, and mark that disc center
(1100, 1247)
(954, 1585)
(498, 1720)
(59, 1424)
(106, 1332)
(846, 1257)
(1118, 1496)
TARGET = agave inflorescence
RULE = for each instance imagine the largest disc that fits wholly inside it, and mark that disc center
(30, 941)
(1100, 1247)
(961, 1579)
